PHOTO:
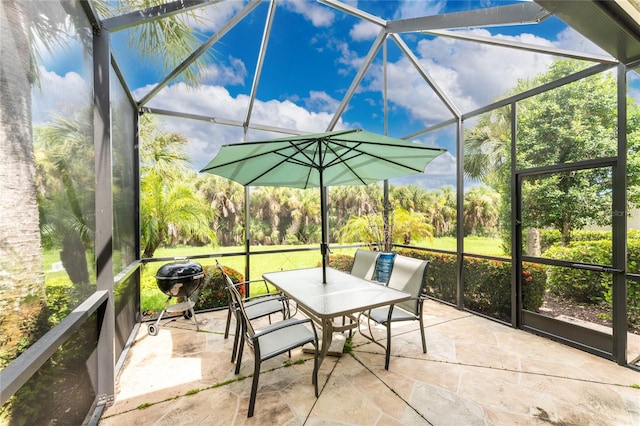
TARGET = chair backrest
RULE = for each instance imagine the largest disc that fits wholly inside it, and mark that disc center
(409, 275)
(237, 305)
(364, 263)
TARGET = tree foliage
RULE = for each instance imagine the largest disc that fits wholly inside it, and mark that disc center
(572, 123)
(169, 205)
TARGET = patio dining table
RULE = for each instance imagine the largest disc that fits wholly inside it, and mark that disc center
(343, 295)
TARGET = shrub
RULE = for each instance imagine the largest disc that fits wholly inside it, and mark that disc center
(61, 390)
(593, 287)
(487, 287)
(213, 291)
(579, 285)
(441, 274)
(549, 238)
(534, 282)
(341, 262)
(487, 283)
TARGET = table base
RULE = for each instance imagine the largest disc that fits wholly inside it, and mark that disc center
(337, 345)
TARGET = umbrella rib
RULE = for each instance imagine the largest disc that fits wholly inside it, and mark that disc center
(262, 154)
(344, 161)
(377, 157)
(311, 163)
(286, 159)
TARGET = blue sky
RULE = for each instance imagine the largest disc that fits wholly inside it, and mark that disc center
(313, 55)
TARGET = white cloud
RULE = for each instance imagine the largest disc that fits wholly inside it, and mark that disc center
(477, 74)
(319, 16)
(204, 138)
(212, 18)
(469, 74)
(321, 101)
(364, 30)
(232, 74)
(346, 57)
(439, 172)
(417, 8)
(570, 39)
(59, 95)
(213, 101)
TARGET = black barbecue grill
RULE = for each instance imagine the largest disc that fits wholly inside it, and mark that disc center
(180, 280)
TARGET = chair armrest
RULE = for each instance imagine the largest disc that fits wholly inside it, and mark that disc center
(285, 324)
(266, 285)
(425, 297)
(282, 300)
(269, 296)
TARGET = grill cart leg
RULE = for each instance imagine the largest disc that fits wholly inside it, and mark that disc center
(154, 327)
(192, 313)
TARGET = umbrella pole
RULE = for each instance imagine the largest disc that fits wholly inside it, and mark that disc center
(324, 246)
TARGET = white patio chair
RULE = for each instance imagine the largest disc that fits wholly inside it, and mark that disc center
(408, 275)
(364, 263)
(271, 341)
(256, 307)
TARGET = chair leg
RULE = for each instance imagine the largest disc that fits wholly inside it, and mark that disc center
(315, 368)
(239, 355)
(387, 355)
(424, 341)
(254, 386)
(234, 351)
(226, 329)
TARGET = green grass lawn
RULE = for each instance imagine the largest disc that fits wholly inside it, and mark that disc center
(153, 299)
(478, 245)
(261, 263)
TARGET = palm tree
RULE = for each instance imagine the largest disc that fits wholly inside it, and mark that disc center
(168, 203)
(487, 146)
(441, 210)
(65, 190)
(26, 27)
(358, 200)
(266, 207)
(481, 210)
(20, 241)
(226, 198)
(305, 214)
(362, 229)
(410, 226)
(164, 42)
(171, 206)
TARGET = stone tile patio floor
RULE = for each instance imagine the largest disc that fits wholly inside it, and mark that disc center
(476, 372)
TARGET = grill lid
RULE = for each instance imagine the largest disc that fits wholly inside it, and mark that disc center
(176, 271)
(180, 279)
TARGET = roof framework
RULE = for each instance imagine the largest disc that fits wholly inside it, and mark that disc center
(617, 33)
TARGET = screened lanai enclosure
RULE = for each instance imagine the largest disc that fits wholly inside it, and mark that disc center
(110, 108)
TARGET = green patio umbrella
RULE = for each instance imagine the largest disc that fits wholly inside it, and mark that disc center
(345, 157)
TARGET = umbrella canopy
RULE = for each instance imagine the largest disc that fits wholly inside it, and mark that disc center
(345, 157)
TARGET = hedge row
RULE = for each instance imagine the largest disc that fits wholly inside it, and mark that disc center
(487, 282)
(593, 287)
(551, 237)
